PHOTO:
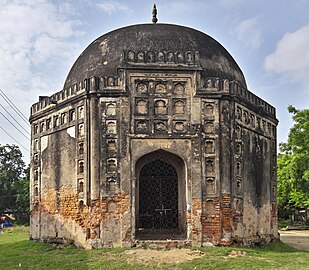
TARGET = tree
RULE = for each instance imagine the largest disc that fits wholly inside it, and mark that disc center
(23, 197)
(293, 163)
(13, 179)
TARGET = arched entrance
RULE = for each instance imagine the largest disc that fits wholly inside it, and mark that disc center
(160, 201)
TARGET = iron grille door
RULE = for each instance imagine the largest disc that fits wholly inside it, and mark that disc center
(158, 198)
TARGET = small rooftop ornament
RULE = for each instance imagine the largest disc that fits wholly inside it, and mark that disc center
(154, 14)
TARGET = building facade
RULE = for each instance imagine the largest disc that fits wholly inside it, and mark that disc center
(154, 137)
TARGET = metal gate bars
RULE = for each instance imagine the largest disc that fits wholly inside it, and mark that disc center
(158, 202)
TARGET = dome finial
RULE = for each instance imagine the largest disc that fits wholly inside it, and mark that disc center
(154, 14)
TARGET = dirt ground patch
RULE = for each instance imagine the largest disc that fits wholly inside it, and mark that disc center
(296, 238)
(158, 257)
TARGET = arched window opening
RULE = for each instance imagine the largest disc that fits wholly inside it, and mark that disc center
(80, 112)
(72, 115)
(81, 131)
(81, 148)
(63, 118)
(81, 186)
(36, 175)
(81, 206)
(81, 167)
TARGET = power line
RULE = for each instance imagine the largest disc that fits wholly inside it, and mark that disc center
(14, 139)
(14, 119)
(8, 101)
(15, 126)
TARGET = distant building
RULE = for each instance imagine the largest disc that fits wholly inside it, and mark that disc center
(154, 136)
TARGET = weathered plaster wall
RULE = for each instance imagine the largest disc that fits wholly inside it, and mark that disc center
(226, 144)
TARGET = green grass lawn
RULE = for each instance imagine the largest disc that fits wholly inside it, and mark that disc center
(17, 252)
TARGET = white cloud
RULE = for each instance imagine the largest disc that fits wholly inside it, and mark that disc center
(248, 31)
(33, 33)
(291, 57)
(110, 7)
(37, 41)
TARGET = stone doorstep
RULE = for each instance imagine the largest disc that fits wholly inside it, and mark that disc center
(162, 244)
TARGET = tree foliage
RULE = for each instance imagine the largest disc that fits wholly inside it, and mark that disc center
(293, 163)
(14, 180)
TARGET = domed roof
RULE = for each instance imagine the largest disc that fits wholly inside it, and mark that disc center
(104, 55)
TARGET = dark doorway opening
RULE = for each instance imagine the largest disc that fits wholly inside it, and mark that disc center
(160, 213)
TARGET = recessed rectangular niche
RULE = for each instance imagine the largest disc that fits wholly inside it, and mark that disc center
(179, 88)
(238, 149)
(238, 184)
(141, 106)
(238, 205)
(238, 113)
(142, 87)
(160, 88)
(209, 127)
(245, 117)
(81, 130)
(111, 165)
(81, 166)
(238, 132)
(35, 145)
(48, 123)
(209, 109)
(141, 126)
(80, 188)
(80, 148)
(111, 147)
(210, 208)
(210, 166)
(238, 168)
(160, 106)
(36, 191)
(111, 127)
(112, 185)
(63, 118)
(209, 147)
(160, 126)
(80, 112)
(210, 185)
(179, 126)
(179, 106)
(36, 159)
(252, 120)
(274, 191)
(56, 121)
(111, 109)
(71, 115)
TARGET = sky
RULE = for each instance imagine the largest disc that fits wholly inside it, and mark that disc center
(41, 39)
